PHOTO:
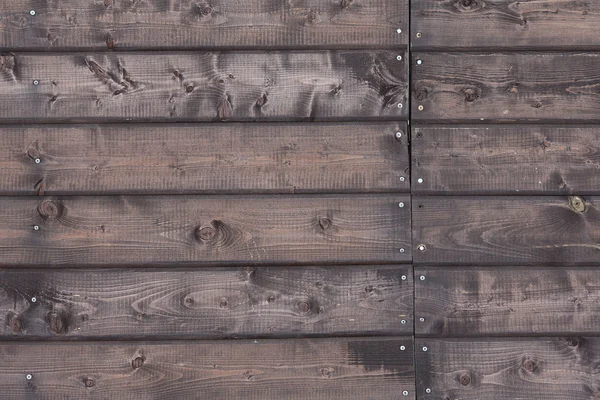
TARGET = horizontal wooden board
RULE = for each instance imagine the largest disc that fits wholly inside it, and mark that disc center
(486, 301)
(207, 303)
(506, 87)
(488, 369)
(506, 230)
(158, 24)
(203, 158)
(357, 368)
(505, 24)
(196, 230)
(245, 86)
(501, 159)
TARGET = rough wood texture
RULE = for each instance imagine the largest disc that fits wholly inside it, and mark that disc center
(523, 159)
(484, 301)
(195, 230)
(271, 369)
(205, 158)
(159, 24)
(326, 85)
(207, 303)
(506, 87)
(506, 230)
(505, 24)
(489, 369)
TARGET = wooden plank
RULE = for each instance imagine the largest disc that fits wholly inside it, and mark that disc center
(207, 303)
(505, 24)
(126, 25)
(511, 368)
(506, 230)
(205, 158)
(354, 368)
(506, 87)
(245, 86)
(514, 159)
(485, 301)
(195, 230)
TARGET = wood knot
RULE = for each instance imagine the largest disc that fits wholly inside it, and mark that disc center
(13, 321)
(206, 233)
(421, 93)
(469, 5)
(189, 88)
(89, 382)
(223, 303)
(57, 323)
(573, 341)
(110, 43)
(464, 379)
(137, 362)
(312, 17)
(50, 210)
(577, 204)
(262, 100)
(303, 306)
(529, 365)
(271, 299)
(470, 94)
(523, 22)
(345, 3)
(546, 143)
(327, 372)
(325, 223)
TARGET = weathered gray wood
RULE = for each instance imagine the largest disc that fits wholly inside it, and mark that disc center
(207, 303)
(175, 86)
(506, 230)
(505, 24)
(506, 159)
(506, 87)
(325, 369)
(203, 158)
(209, 230)
(158, 24)
(485, 301)
(510, 368)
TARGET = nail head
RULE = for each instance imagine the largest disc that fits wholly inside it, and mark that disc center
(422, 247)
(405, 393)
(33, 299)
(29, 376)
(402, 179)
(419, 62)
(399, 58)
(425, 348)
(422, 319)
(37, 161)
(427, 390)
(36, 227)
(403, 322)
(399, 105)
(403, 277)
(419, 34)
(401, 205)
(398, 30)
(32, 13)
(401, 250)
(422, 277)
(398, 135)
(36, 82)
(420, 180)
(402, 348)
(420, 108)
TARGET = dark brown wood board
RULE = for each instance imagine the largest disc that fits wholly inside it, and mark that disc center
(505, 24)
(505, 159)
(207, 303)
(203, 86)
(356, 368)
(203, 158)
(160, 24)
(204, 230)
(507, 230)
(555, 368)
(527, 86)
(515, 301)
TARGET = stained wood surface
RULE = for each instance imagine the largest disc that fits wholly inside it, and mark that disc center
(492, 301)
(207, 303)
(158, 24)
(506, 87)
(196, 230)
(203, 158)
(175, 86)
(506, 159)
(506, 230)
(354, 368)
(505, 24)
(485, 369)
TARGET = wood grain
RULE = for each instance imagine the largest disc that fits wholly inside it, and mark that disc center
(325, 369)
(193, 86)
(505, 24)
(159, 24)
(203, 158)
(486, 301)
(207, 303)
(506, 87)
(506, 230)
(485, 369)
(500, 159)
(196, 230)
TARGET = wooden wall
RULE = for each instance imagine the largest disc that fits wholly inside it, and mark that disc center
(506, 222)
(205, 200)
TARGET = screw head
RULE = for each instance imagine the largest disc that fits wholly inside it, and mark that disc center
(425, 348)
(419, 34)
(401, 205)
(419, 62)
(402, 348)
(398, 135)
(402, 179)
(37, 161)
(401, 250)
(420, 180)
(32, 13)
(420, 108)
(405, 393)
(403, 277)
(398, 30)
(399, 105)
(33, 299)
(36, 82)
(399, 58)
(422, 277)
(403, 322)
(427, 390)
(29, 377)
(422, 319)
(422, 247)
(36, 227)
